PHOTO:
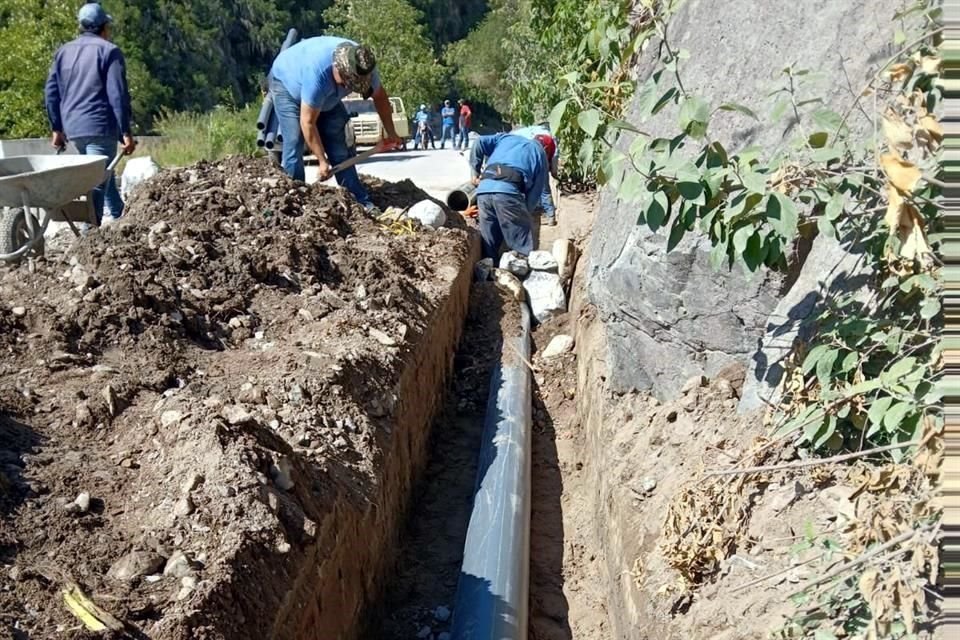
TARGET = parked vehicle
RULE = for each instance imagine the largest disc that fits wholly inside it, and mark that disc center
(365, 127)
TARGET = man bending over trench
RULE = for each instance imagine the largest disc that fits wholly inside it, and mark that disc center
(511, 173)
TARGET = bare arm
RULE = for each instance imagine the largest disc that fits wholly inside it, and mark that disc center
(311, 136)
(382, 101)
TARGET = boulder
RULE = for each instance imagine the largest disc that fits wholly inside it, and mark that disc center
(545, 292)
(565, 254)
(542, 261)
(429, 213)
(515, 264)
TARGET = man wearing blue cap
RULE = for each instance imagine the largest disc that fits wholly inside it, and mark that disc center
(87, 99)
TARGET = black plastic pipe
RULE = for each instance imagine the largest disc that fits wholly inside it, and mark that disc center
(462, 197)
(492, 592)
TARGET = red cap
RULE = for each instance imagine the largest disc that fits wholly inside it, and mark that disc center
(547, 143)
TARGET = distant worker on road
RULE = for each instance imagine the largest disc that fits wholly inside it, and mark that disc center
(308, 81)
(546, 200)
(466, 120)
(421, 121)
(448, 117)
(88, 102)
(510, 173)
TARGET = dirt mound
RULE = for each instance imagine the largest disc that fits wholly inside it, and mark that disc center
(210, 372)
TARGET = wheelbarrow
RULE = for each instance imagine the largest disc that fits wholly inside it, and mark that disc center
(36, 190)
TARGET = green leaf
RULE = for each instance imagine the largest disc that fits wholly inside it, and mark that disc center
(740, 238)
(658, 211)
(895, 415)
(823, 634)
(739, 108)
(826, 431)
(818, 139)
(825, 366)
(850, 362)
(626, 126)
(835, 206)
(930, 308)
(900, 369)
(755, 252)
(826, 154)
(718, 255)
(589, 121)
(694, 116)
(810, 362)
(828, 119)
(826, 228)
(638, 147)
(633, 187)
(754, 182)
(782, 215)
(557, 113)
(878, 409)
(692, 192)
(677, 231)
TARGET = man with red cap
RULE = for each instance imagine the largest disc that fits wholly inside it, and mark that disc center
(510, 173)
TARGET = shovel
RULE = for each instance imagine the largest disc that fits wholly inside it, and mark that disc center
(360, 157)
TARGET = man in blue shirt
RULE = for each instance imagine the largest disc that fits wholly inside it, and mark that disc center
(546, 200)
(308, 81)
(421, 121)
(88, 102)
(510, 173)
(448, 116)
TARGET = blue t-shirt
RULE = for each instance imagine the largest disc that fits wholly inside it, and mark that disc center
(519, 153)
(448, 114)
(421, 116)
(306, 70)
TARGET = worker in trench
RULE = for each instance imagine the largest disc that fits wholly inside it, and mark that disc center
(546, 200)
(308, 82)
(510, 172)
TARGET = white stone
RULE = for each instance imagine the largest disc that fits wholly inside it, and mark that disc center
(542, 261)
(560, 345)
(510, 282)
(546, 295)
(136, 171)
(564, 253)
(515, 264)
(429, 213)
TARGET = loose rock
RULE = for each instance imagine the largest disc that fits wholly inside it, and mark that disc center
(542, 261)
(559, 345)
(135, 565)
(428, 213)
(235, 414)
(483, 269)
(281, 473)
(177, 565)
(184, 507)
(424, 632)
(515, 264)
(441, 614)
(19, 311)
(510, 282)
(546, 295)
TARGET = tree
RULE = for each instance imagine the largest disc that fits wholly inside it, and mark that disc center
(392, 29)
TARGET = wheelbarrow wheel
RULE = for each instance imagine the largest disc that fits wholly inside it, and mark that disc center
(14, 232)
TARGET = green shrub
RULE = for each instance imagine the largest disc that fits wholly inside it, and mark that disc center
(187, 138)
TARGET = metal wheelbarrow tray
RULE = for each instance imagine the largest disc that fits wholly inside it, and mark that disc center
(51, 184)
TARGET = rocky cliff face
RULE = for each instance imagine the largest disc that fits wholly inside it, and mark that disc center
(670, 316)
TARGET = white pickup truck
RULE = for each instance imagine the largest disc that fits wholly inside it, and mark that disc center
(364, 127)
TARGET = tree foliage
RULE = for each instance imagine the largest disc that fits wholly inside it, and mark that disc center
(393, 29)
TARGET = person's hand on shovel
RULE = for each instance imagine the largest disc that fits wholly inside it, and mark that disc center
(389, 144)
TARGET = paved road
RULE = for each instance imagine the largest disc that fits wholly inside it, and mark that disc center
(435, 171)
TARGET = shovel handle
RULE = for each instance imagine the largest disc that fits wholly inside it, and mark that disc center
(360, 157)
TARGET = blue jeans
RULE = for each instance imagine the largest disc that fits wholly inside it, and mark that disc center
(463, 142)
(106, 192)
(447, 133)
(332, 127)
(504, 216)
(546, 201)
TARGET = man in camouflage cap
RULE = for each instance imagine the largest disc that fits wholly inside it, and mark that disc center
(308, 81)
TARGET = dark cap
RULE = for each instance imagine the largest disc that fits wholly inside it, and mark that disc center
(355, 64)
(92, 17)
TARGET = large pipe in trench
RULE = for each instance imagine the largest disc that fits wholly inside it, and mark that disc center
(462, 197)
(492, 592)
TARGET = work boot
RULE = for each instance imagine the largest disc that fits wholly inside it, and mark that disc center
(372, 211)
(550, 221)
